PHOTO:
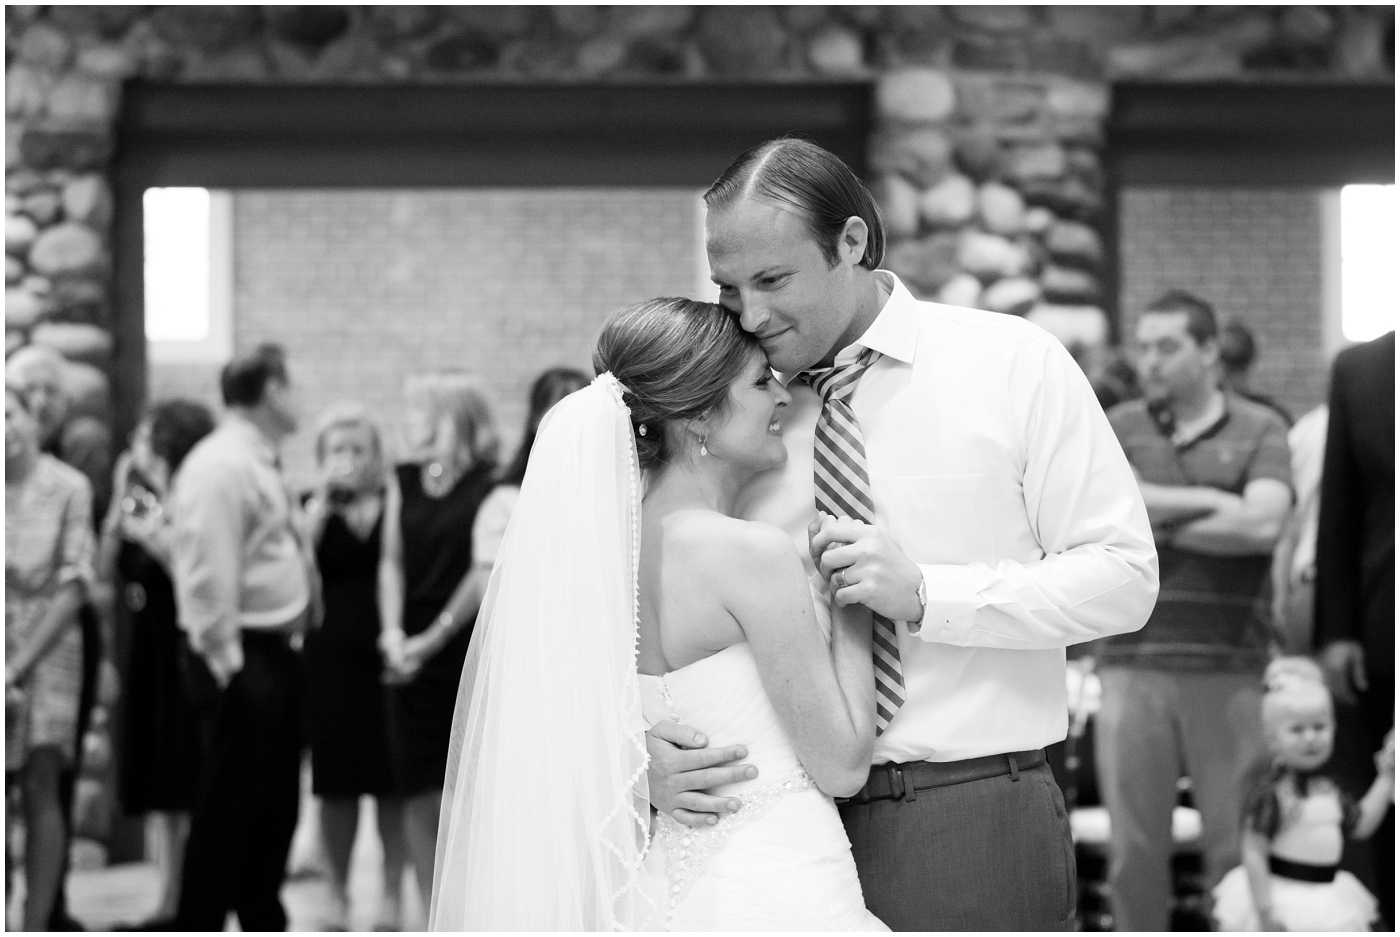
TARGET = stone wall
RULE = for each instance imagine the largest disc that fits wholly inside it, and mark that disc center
(986, 154)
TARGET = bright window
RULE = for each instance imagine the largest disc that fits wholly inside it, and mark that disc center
(1370, 215)
(188, 274)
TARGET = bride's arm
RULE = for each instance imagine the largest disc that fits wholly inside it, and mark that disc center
(824, 695)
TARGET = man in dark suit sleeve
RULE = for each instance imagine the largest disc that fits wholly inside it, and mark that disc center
(1355, 613)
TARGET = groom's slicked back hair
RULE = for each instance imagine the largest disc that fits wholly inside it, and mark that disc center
(675, 359)
(813, 182)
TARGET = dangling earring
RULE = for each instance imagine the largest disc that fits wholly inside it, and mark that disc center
(703, 450)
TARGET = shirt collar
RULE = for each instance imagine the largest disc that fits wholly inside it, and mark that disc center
(246, 432)
(894, 333)
(1214, 417)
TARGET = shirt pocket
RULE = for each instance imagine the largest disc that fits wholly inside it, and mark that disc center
(938, 518)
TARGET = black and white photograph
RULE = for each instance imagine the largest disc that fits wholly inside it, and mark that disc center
(700, 468)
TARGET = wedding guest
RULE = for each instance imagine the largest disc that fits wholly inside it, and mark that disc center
(1182, 696)
(493, 517)
(77, 438)
(243, 590)
(1297, 819)
(344, 688)
(990, 521)
(1355, 624)
(160, 744)
(48, 570)
(83, 441)
(1237, 354)
(427, 600)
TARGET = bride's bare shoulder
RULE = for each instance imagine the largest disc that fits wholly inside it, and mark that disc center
(733, 548)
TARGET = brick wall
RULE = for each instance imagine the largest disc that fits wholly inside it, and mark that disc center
(365, 287)
(1255, 254)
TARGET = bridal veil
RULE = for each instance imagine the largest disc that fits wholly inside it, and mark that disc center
(545, 806)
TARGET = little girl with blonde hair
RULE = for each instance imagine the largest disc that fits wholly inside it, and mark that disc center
(1297, 819)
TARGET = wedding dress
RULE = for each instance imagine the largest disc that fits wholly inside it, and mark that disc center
(545, 821)
(783, 861)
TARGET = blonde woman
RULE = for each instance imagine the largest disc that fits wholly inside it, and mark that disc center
(345, 695)
(48, 572)
(427, 599)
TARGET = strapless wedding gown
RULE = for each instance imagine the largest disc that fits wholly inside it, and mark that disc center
(783, 862)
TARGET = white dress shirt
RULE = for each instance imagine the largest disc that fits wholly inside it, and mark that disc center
(237, 562)
(993, 467)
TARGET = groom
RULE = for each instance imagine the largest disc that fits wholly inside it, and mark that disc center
(979, 505)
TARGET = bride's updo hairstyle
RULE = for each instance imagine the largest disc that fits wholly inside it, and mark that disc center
(676, 358)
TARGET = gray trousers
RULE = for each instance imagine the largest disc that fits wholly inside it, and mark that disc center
(994, 854)
(1153, 727)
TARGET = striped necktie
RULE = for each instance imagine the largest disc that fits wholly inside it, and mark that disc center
(843, 489)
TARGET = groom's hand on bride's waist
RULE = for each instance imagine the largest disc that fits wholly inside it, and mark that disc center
(682, 769)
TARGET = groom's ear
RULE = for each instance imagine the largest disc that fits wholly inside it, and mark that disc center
(854, 236)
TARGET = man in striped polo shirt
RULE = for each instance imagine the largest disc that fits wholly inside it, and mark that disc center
(1181, 696)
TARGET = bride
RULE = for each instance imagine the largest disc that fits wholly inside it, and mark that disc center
(626, 594)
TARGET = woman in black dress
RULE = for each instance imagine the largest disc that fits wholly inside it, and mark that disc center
(160, 745)
(428, 600)
(344, 673)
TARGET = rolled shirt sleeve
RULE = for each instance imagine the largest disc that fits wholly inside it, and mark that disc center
(1098, 575)
(210, 526)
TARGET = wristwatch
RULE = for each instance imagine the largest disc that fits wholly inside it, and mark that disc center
(915, 625)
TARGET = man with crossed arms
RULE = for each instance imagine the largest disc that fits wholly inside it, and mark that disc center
(993, 520)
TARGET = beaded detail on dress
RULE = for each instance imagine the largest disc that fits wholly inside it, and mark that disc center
(688, 851)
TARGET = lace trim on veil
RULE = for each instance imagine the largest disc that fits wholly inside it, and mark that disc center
(636, 803)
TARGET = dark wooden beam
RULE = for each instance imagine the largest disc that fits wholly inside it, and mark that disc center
(1274, 135)
(495, 135)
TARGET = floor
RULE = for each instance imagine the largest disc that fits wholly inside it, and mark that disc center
(102, 898)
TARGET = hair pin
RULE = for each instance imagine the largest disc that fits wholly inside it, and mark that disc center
(641, 429)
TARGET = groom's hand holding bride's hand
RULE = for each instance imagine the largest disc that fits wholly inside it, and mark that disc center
(682, 769)
(863, 566)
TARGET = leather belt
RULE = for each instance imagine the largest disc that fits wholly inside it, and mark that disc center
(1302, 871)
(268, 637)
(904, 781)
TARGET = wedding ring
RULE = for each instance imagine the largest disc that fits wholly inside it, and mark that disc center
(843, 583)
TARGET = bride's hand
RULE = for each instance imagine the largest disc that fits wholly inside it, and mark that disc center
(681, 768)
(863, 565)
(821, 522)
